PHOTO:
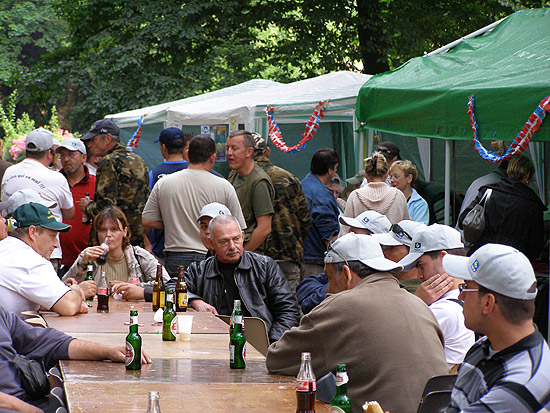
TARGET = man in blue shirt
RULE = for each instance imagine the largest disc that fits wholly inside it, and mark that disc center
(323, 208)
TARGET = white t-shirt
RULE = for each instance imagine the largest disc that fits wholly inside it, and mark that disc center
(51, 185)
(177, 200)
(27, 280)
(458, 339)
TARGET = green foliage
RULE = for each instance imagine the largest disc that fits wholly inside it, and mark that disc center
(14, 128)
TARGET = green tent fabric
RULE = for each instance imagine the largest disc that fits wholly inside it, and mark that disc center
(508, 71)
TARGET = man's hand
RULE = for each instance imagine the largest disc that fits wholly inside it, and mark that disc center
(128, 291)
(118, 355)
(12, 403)
(91, 254)
(83, 308)
(83, 203)
(89, 288)
(202, 306)
(434, 288)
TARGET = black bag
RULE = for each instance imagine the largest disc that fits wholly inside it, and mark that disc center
(33, 377)
(473, 224)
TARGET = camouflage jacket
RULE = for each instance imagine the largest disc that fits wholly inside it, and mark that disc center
(291, 221)
(122, 179)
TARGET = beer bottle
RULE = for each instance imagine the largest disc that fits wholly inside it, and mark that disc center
(169, 320)
(102, 259)
(154, 406)
(237, 340)
(102, 295)
(133, 344)
(181, 291)
(85, 219)
(341, 403)
(157, 288)
(89, 277)
(306, 386)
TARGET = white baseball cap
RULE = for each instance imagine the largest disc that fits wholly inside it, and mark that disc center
(370, 220)
(22, 197)
(499, 268)
(72, 144)
(39, 140)
(359, 247)
(401, 233)
(213, 210)
(435, 237)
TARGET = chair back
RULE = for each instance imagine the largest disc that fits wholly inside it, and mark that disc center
(439, 383)
(255, 332)
(435, 402)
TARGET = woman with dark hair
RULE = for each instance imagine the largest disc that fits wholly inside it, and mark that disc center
(123, 260)
(513, 212)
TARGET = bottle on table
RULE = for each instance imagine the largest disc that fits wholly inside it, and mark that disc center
(133, 344)
(154, 406)
(237, 340)
(85, 219)
(181, 291)
(169, 320)
(89, 277)
(306, 386)
(102, 295)
(341, 403)
(102, 259)
(133, 278)
(158, 291)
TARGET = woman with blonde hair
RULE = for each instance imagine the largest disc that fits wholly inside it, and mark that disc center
(376, 195)
(403, 176)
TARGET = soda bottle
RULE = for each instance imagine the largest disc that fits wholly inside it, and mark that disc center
(237, 340)
(341, 403)
(134, 277)
(306, 386)
(169, 320)
(103, 257)
(154, 406)
(133, 344)
(181, 291)
(85, 219)
(89, 277)
(158, 290)
(102, 295)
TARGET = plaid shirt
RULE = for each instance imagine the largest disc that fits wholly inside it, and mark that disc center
(516, 379)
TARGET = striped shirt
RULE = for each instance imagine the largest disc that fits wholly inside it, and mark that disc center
(516, 379)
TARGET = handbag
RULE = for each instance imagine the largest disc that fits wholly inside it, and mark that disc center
(473, 224)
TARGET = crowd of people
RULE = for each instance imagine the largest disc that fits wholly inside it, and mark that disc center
(365, 281)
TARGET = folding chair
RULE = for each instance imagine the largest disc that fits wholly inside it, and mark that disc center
(435, 402)
(255, 332)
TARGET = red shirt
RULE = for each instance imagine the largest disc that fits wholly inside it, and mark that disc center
(76, 239)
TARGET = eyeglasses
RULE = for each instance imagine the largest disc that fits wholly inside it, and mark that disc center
(331, 248)
(462, 288)
(400, 232)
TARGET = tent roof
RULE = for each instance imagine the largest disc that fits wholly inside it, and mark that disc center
(247, 100)
(507, 71)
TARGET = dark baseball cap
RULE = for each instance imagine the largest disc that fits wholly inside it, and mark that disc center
(38, 215)
(389, 150)
(102, 127)
(172, 138)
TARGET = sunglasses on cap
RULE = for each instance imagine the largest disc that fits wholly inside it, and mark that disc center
(400, 232)
(330, 247)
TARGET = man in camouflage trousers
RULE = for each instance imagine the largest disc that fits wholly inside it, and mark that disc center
(122, 178)
(291, 220)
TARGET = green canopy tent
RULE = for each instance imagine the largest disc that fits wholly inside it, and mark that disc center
(507, 69)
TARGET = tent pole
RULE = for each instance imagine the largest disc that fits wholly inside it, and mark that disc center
(447, 180)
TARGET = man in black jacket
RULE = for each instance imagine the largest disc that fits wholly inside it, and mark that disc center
(235, 274)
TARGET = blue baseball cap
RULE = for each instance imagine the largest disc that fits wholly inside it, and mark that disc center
(172, 138)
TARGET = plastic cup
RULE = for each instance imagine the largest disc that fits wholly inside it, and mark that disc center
(185, 324)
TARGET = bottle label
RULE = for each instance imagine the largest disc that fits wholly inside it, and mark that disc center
(232, 353)
(336, 409)
(130, 353)
(182, 300)
(244, 351)
(173, 326)
(162, 299)
(170, 297)
(90, 268)
(304, 385)
(102, 291)
(341, 378)
(133, 319)
(155, 297)
(238, 319)
(133, 280)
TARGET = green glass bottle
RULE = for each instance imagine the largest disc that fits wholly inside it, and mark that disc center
(237, 340)
(89, 277)
(133, 344)
(341, 403)
(169, 319)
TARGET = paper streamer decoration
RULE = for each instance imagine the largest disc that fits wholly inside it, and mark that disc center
(134, 142)
(519, 145)
(312, 125)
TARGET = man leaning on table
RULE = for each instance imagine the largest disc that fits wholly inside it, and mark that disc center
(46, 345)
(388, 339)
(236, 274)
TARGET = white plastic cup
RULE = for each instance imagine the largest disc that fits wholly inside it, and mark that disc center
(185, 324)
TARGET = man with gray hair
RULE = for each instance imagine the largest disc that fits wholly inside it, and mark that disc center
(388, 339)
(236, 274)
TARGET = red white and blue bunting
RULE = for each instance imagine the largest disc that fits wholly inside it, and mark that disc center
(134, 142)
(312, 125)
(519, 145)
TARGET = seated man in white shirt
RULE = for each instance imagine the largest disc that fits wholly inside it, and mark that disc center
(428, 247)
(28, 280)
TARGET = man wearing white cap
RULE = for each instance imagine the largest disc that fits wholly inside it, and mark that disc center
(205, 216)
(72, 153)
(33, 173)
(428, 248)
(508, 370)
(389, 341)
